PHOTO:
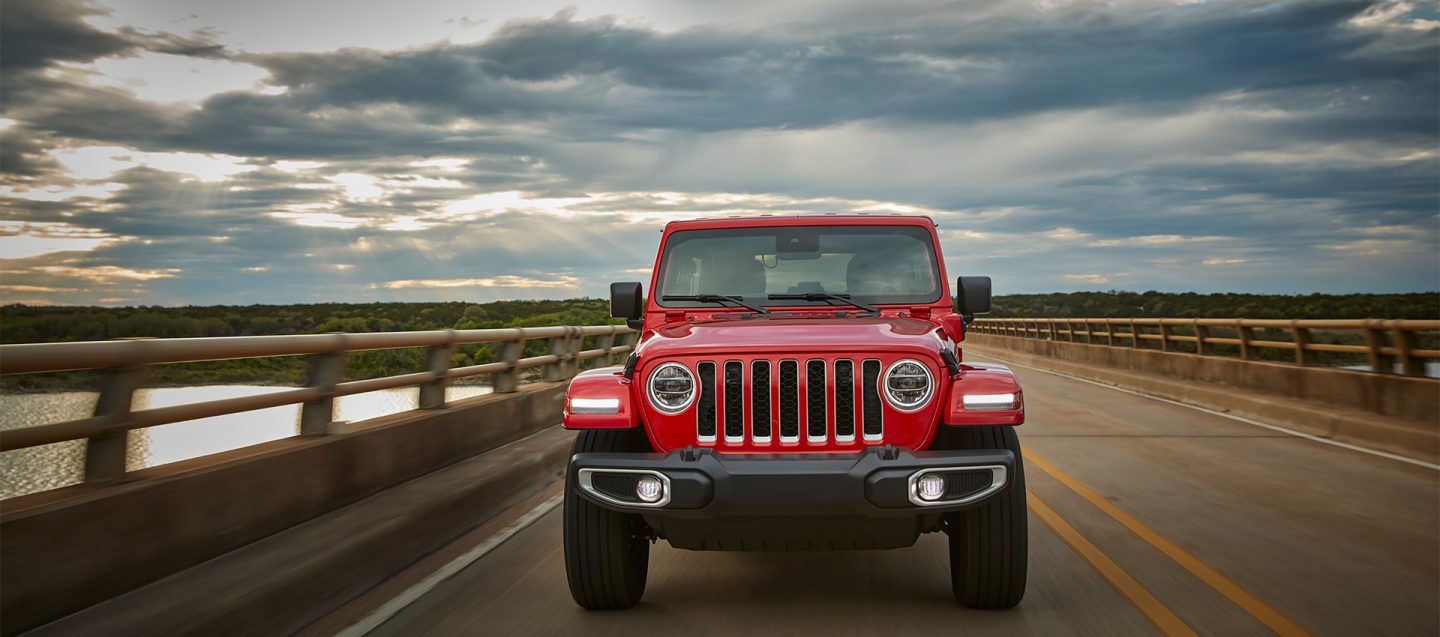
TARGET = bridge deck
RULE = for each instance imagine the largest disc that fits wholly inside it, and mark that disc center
(1338, 541)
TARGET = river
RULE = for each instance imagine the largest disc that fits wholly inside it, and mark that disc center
(39, 468)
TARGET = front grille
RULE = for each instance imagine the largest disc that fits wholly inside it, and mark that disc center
(819, 396)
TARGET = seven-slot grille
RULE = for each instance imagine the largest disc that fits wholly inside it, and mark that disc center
(803, 394)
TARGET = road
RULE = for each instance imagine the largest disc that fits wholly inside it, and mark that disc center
(1232, 529)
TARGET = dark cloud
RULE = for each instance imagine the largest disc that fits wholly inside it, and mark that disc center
(1290, 129)
(37, 33)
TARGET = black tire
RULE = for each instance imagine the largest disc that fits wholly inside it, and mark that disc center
(989, 544)
(607, 554)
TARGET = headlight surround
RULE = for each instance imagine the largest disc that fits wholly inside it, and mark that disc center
(671, 388)
(908, 384)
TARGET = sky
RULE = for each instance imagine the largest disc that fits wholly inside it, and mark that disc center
(219, 152)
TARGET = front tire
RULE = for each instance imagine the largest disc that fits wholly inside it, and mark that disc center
(607, 553)
(989, 544)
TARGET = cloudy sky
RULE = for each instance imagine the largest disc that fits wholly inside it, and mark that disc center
(221, 152)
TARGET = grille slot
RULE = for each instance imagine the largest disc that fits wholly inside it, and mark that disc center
(844, 400)
(734, 402)
(789, 401)
(870, 394)
(760, 400)
(815, 412)
(705, 408)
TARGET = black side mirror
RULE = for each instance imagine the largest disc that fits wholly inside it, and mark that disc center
(973, 294)
(627, 301)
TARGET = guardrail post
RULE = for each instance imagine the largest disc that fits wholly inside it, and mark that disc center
(606, 343)
(1134, 334)
(1089, 333)
(1164, 336)
(1406, 343)
(437, 362)
(1109, 333)
(1245, 334)
(317, 416)
(1375, 355)
(508, 380)
(573, 347)
(1301, 336)
(562, 348)
(1054, 332)
(105, 454)
(1201, 333)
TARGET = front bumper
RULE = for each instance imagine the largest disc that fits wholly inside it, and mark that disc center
(791, 502)
(876, 483)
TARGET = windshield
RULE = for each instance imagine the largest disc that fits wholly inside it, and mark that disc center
(873, 264)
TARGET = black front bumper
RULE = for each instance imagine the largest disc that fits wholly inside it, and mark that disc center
(861, 500)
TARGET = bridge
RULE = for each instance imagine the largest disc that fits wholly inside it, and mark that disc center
(1186, 476)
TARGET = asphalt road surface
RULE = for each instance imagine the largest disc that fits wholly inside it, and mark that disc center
(1145, 518)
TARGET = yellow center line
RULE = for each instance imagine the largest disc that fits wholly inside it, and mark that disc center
(1271, 618)
(1168, 623)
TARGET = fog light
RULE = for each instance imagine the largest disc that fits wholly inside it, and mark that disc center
(931, 486)
(649, 489)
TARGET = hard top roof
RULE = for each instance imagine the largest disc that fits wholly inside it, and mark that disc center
(760, 221)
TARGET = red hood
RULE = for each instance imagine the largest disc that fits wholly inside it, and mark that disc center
(795, 335)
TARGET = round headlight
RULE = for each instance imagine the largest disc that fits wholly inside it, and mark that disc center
(671, 388)
(908, 385)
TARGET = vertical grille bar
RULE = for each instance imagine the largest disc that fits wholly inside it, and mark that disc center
(760, 400)
(844, 400)
(705, 408)
(870, 392)
(734, 402)
(815, 399)
(789, 401)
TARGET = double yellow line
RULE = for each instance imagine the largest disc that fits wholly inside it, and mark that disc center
(1146, 603)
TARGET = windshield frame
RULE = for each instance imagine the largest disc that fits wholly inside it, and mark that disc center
(925, 234)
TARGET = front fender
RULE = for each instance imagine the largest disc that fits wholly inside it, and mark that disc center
(600, 399)
(977, 379)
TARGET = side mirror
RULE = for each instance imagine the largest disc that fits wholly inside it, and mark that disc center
(973, 294)
(627, 301)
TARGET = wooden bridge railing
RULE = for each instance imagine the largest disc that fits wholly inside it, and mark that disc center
(1388, 346)
(124, 364)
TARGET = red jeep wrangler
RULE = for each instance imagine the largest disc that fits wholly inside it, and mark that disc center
(797, 385)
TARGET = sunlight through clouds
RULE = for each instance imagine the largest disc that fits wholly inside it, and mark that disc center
(21, 240)
(503, 281)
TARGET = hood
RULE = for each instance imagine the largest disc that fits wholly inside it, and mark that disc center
(796, 335)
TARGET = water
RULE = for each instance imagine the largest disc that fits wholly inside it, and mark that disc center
(46, 467)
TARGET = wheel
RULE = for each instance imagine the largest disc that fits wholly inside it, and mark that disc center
(988, 544)
(607, 553)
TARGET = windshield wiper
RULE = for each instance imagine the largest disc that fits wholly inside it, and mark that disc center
(716, 298)
(825, 296)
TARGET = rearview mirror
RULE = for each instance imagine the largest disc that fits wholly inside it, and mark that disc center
(627, 301)
(972, 293)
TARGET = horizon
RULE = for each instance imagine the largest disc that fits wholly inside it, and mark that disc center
(156, 154)
(1435, 293)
